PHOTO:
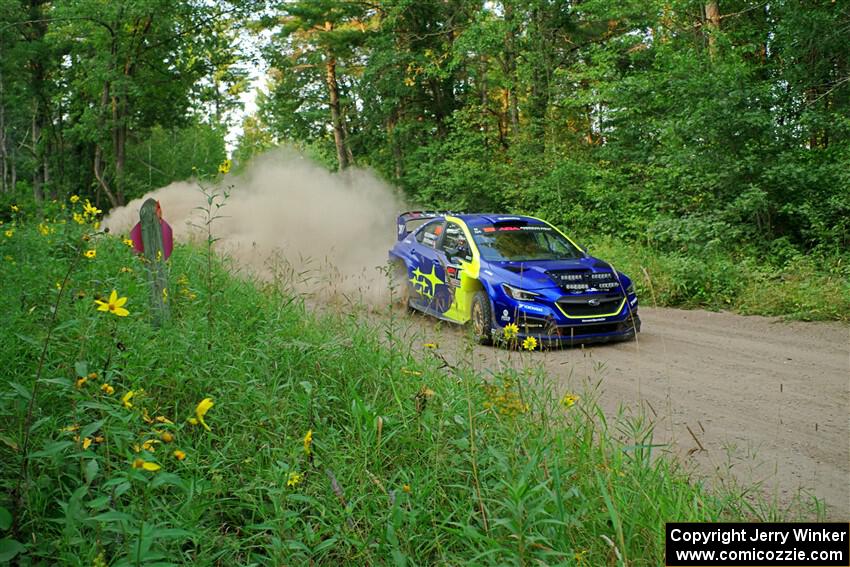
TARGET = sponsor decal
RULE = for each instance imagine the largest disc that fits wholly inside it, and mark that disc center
(535, 308)
(426, 284)
(506, 316)
(593, 320)
(453, 276)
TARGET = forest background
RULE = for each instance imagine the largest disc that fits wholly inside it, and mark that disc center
(703, 144)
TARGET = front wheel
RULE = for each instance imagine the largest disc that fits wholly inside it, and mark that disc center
(481, 317)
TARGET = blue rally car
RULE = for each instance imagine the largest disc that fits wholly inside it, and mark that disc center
(499, 270)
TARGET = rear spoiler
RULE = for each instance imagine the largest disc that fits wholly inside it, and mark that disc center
(418, 217)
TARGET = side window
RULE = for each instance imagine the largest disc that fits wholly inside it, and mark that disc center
(454, 239)
(430, 234)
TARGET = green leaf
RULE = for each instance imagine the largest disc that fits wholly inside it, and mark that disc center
(59, 381)
(5, 519)
(112, 516)
(9, 549)
(166, 479)
(82, 368)
(91, 428)
(91, 470)
(52, 449)
(23, 392)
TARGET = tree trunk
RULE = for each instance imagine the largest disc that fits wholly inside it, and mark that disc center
(4, 169)
(510, 67)
(37, 192)
(538, 99)
(119, 143)
(98, 155)
(395, 144)
(336, 116)
(36, 62)
(712, 22)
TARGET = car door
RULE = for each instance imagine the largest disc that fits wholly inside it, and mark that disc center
(451, 251)
(427, 275)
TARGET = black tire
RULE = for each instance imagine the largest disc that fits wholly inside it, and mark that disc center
(481, 319)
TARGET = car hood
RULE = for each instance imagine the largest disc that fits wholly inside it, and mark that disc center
(532, 275)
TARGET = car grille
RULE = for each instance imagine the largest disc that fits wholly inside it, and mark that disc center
(582, 306)
(581, 280)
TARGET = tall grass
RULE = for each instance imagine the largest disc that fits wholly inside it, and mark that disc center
(408, 461)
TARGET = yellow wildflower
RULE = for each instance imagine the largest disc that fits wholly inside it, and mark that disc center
(530, 343)
(44, 229)
(150, 445)
(70, 428)
(308, 442)
(81, 382)
(406, 488)
(90, 209)
(15, 208)
(126, 399)
(569, 400)
(200, 411)
(165, 295)
(145, 417)
(96, 225)
(163, 419)
(79, 219)
(511, 331)
(90, 254)
(115, 305)
(74, 198)
(430, 345)
(294, 478)
(224, 167)
(86, 442)
(148, 466)
(126, 270)
(166, 437)
(10, 233)
(179, 455)
(107, 389)
(128, 242)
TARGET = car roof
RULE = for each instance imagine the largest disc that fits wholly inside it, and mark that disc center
(486, 219)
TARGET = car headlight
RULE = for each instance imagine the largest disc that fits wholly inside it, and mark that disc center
(519, 294)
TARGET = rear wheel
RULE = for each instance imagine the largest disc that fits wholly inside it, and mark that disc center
(481, 318)
(400, 286)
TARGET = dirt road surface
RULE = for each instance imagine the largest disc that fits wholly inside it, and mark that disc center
(753, 402)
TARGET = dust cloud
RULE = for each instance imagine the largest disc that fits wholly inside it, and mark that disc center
(287, 219)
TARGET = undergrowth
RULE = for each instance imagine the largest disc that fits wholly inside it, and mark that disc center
(795, 286)
(279, 436)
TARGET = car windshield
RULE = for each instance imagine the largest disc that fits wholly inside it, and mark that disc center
(523, 243)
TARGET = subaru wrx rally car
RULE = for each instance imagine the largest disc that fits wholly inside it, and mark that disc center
(498, 270)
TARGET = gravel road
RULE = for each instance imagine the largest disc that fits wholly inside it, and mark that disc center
(745, 401)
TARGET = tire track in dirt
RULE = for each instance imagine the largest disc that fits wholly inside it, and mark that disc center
(768, 400)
